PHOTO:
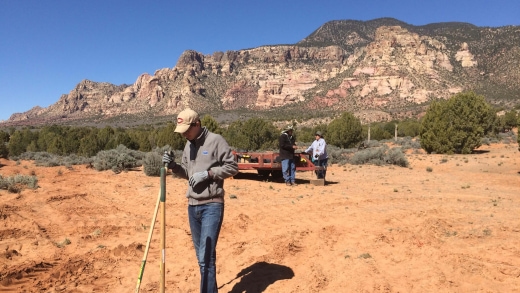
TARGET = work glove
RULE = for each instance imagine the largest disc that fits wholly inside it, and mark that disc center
(169, 160)
(198, 177)
(316, 156)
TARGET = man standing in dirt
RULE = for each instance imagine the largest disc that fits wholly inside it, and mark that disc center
(206, 161)
(287, 143)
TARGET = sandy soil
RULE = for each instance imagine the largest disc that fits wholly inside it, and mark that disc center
(454, 228)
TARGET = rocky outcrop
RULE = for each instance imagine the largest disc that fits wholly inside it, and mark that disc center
(387, 69)
(398, 68)
(465, 57)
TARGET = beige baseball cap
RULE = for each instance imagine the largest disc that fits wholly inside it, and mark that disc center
(185, 119)
(288, 128)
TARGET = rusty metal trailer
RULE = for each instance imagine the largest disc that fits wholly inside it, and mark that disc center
(267, 163)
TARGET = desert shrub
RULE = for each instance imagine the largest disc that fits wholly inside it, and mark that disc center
(253, 134)
(373, 144)
(19, 140)
(339, 155)
(509, 120)
(506, 135)
(409, 127)
(457, 125)
(395, 156)
(118, 159)
(17, 182)
(74, 159)
(403, 140)
(408, 143)
(345, 131)
(378, 131)
(211, 124)
(152, 162)
(368, 144)
(307, 135)
(493, 140)
(46, 159)
(167, 136)
(485, 141)
(380, 156)
(374, 156)
(4, 151)
(4, 139)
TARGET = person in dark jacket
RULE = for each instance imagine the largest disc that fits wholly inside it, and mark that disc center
(206, 161)
(287, 143)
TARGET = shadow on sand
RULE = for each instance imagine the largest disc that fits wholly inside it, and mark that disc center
(257, 277)
(256, 177)
(477, 152)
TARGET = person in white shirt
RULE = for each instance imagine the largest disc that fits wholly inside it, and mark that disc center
(318, 152)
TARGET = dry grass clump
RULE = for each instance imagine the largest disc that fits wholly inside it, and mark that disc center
(46, 159)
(16, 183)
(380, 156)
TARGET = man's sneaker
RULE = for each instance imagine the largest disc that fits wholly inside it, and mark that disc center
(288, 183)
(294, 184)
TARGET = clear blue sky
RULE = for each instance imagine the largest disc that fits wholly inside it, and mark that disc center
(49, 46)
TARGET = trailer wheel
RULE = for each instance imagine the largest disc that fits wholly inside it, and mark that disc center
(277, 173)
(264, 173)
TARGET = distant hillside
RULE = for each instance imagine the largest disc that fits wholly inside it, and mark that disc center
(379, 69)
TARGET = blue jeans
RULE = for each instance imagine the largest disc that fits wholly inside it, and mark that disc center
(205, 222)
(321, 163)
(289, 170)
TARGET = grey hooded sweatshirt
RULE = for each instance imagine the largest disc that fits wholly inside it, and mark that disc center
(209, 151)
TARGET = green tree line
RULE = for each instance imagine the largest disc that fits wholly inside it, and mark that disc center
(455, 125)
(254, 134)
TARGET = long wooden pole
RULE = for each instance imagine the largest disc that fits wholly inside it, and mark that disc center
(143, 262)
(163, 229)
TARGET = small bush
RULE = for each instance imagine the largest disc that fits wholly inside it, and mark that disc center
(152, 164)
(45, 159)
(16, 183)
(117, 160)
(374, 143)
(63, 243)
(395, 156)
(409, 143)
(365, 255)
(372, 155)
(338, 155)
(380, 156)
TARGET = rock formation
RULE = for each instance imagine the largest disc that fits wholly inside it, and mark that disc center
(390, 69)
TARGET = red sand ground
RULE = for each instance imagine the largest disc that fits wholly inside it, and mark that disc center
(371, 229)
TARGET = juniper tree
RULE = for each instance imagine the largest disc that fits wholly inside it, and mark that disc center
(4, 138)
(345, 131)
(457, 125)
(211, 124)
(253, 134)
